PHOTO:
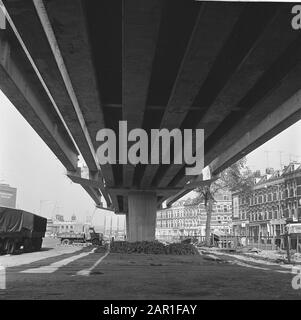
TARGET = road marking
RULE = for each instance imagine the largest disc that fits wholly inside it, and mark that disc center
(242, 264)
(56, 265)
(87, 272)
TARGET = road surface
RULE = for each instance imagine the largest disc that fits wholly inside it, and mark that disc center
(59, 272)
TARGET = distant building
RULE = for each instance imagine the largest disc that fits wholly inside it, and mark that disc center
(59, 217)
(8, 196)
(73, 217)
(66, 226)
(274, 201)
(50, 227)
(185, 220)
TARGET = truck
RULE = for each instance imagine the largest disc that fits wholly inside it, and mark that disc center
(86, 235)
(19, 230)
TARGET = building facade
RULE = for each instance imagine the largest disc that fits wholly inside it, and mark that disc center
(8, 196)
(55, 226)
(183, 219)
(274, 200)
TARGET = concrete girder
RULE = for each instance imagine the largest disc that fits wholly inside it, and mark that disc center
(271, 44)
(280, 119)
(79, 62)
(93, 181)
(284, 116)
(278, 98)
(28, 21)
(200, 55)
(23, 88)
(141, 20)
(94, 194)
(76, 51)
(89, 155)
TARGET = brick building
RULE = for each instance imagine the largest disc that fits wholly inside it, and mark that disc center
(186, 220)
(274, 201)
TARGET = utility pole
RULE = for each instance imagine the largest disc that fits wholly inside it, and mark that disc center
(111, 227)
(280, 159)
(105, 220)
(267, 158)
(124, 227)
(117, 226)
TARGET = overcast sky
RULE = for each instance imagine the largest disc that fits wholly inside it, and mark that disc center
(43, 188)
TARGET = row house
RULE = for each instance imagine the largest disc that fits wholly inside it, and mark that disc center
(275, 200)
(184, 219)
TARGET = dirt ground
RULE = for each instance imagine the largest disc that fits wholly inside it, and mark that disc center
(83, 273)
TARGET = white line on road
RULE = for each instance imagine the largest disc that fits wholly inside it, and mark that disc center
(242, 264)
(56, 265)
(87, 272)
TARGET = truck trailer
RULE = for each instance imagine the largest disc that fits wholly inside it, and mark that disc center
(20, 229)
(86, 235)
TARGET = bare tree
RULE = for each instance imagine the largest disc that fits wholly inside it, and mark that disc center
(238, 177)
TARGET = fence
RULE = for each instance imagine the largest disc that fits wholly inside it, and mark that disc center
(239, 242)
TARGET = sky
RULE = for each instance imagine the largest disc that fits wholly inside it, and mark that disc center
(27, 163)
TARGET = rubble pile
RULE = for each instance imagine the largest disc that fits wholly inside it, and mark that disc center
(152, 247)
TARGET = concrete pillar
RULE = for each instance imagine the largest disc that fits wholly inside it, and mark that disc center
(142, 216)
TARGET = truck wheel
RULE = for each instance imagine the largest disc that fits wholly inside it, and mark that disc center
(95, 242)
(11, 247)
(27, 245)
(5, 248)
(65, 242)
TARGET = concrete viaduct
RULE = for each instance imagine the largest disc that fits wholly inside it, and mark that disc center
(73, 67)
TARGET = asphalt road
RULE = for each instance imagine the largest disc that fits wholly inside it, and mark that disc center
(59, 272)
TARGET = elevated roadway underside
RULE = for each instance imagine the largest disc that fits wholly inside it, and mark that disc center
(73, 67)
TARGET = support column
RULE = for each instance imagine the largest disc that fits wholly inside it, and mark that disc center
(142, 216)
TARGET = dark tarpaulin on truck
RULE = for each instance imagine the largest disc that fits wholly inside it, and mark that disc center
(14, 220)
(39, 223)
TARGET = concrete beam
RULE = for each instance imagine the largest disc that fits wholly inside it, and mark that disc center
(27, 22)
(94, 194)
(284, 116)
(23, 88)
(206, 42)
(76, 51)
(270, 45)
(141, 20)
(94, 181)
(278, 98)
(85, 143)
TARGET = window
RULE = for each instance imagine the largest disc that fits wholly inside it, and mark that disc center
(260, 199)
